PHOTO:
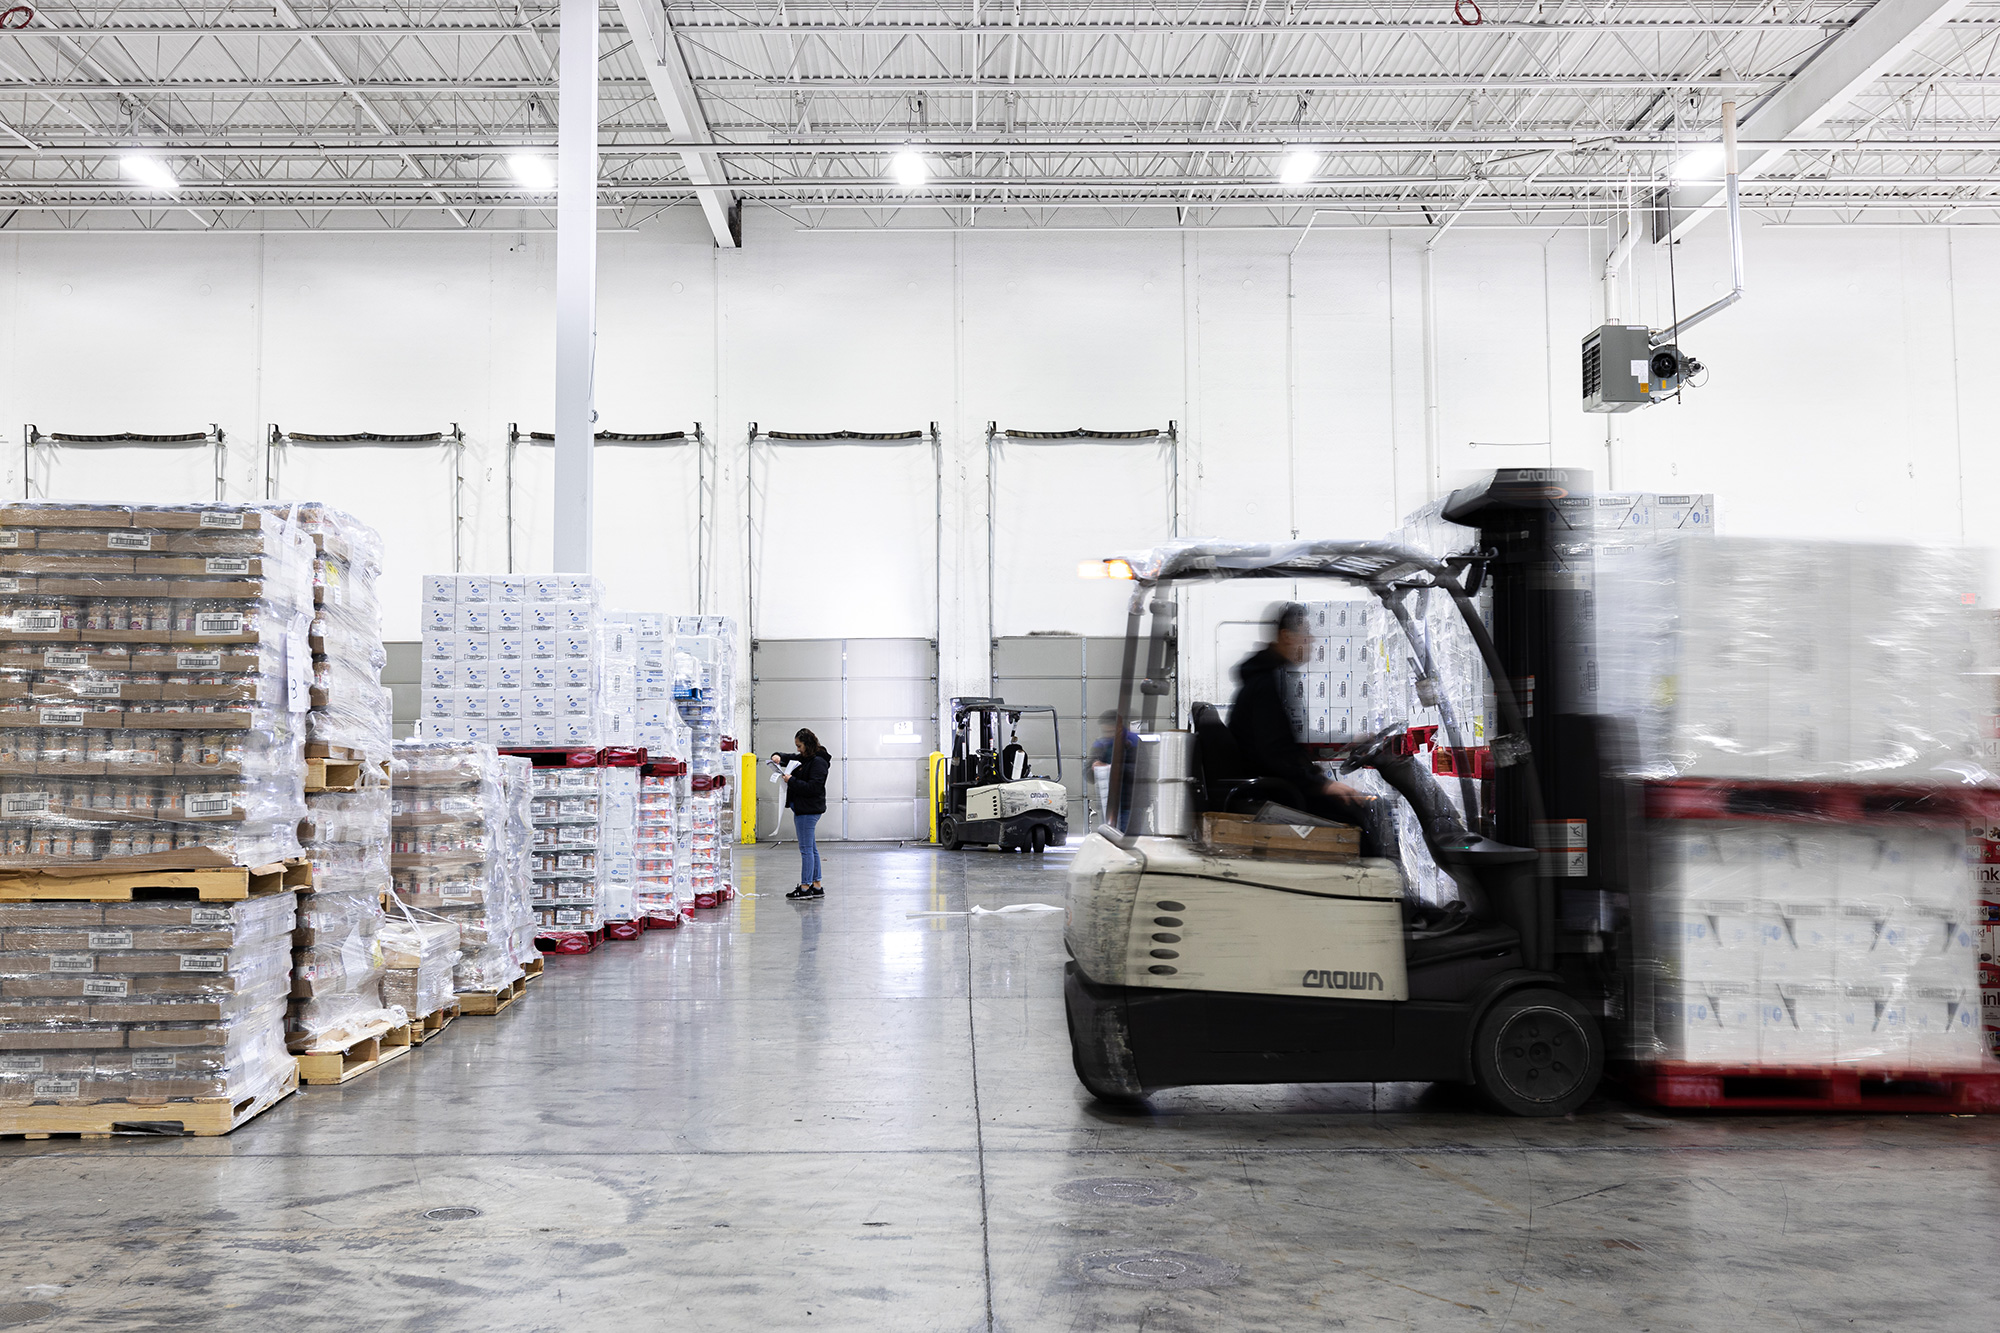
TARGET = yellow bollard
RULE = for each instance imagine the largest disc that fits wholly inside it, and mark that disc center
(939, 766)
(746, 803)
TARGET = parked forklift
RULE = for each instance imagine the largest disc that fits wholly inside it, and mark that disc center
(989, 794)
(1196, 962)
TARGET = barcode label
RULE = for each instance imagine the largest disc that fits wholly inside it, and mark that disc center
(209, 916)
(197, 661)
(37, 622)
(10, 584)
(228, 565)
(107, 988)
(151, 1060)
(99, 689)
(72, 962)
(58, 1087)
(204, 962)
(10, 540)
(22, 1064)
(211, 802)
(62, 717)
(55, 661)
(110, 939)
(128, 541)
(24, 803)
(211, 518)
(218, 622)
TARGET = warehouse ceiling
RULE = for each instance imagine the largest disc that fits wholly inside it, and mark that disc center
(375, 114)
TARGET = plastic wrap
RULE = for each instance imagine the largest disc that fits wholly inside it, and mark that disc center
(452, 854)
(421, 955)
(152, 669)
(567, 805)
(513, 660)
(656, 879)
(143, 1000)
(1792, 661)
(351, 709)
(518, 794)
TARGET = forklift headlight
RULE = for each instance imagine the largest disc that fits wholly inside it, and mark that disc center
(1105, 569)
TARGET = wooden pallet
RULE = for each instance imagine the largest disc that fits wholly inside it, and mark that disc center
(204, 1119)
(359, 1056)
(532, 969)
(333, 774)
(1832, 1088)
(423, 1029)
(322, 750)
(216, 885)
(489, 1002)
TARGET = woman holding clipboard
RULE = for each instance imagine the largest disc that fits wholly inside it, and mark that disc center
(805, 796)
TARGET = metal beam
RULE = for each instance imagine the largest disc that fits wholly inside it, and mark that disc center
(576, 287)
(660, 56)
(1860, 56)
(1365, 27)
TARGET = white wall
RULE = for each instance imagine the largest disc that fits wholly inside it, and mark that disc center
(1851, 394)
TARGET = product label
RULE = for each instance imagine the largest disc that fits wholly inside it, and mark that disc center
(24, 803)
(228, 564)
(10, 540)
(212, 518)
(209, 916)
(22, 1064)
(110, 939)
(58, 1087)
(98, 689)
(197, 661)
(128, 541)
(72, 962)
(204, 962)
(573, 891)
(62, 717)
(10, 584)
(37, 622)
(299, 665)
(107, 988)
(152, 1061)
(55, 661)
(208, 803)
(209, 623)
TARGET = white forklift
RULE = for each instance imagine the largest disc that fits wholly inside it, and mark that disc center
(1196, 962)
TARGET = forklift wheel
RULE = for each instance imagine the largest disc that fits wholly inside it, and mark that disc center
(1537, 1052)
(1038, 839)
(948, 834)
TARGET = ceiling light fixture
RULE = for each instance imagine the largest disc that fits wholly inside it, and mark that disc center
(1704, 163)
(910, 169)
(533, 171)
(1298, 167)
(149, 171)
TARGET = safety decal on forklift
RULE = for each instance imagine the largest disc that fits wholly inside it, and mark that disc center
(1564, 845)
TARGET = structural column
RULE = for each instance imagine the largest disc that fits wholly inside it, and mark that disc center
(576, 284)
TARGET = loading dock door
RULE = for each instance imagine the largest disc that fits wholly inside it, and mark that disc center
(1077, 675)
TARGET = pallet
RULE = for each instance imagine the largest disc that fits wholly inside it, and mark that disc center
(571, 941)
(625, 930)
(1842, 802)
(489, 1002)
(333, 775)
(532, 969)
(203, 1119)
(223, 884)
(322, 750)
(358, 1057)
(1830, 1088)
(423, 1029)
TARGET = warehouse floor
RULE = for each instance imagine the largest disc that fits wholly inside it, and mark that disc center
(790, 1116)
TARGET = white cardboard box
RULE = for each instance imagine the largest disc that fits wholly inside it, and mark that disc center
(542, 617)
(503, 704)
(440, 645)
(439, 675)
(507, 674)
(539, 705)
(440, 617)
(473, 676)
(473, 588)
(510, 588)
(439, 705)
(544, 588)
(509, 647)
(508, 618)
(475, 648)
(440, 588)
(472, 703)
(542, 647)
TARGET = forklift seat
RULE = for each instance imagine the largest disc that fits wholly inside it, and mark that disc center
(1220, 780)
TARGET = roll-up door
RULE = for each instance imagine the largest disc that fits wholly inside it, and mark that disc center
(1078, 676)
(873, 704)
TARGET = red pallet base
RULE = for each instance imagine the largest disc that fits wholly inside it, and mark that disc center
(571, 941)
(624, 930)
(706, 899)
(1726, 1088)
(663, 923)
(1843, 802)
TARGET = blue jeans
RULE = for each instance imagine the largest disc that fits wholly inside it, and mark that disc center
(808, 830)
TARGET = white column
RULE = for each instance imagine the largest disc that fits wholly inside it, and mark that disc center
(576, 283)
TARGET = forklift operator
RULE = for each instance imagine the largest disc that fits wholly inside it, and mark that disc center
(1263, 728)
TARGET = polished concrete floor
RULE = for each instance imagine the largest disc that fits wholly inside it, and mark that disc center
(839, 1116)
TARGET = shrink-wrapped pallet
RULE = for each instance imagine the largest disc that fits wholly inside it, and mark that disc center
(452, 854)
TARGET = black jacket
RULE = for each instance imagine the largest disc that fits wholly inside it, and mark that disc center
(1262, 727)
(805, 790)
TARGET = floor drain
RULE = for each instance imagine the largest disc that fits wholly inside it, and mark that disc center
(1152, 1193)
(24, 1312)
(450, 1214)
(1156, 1268)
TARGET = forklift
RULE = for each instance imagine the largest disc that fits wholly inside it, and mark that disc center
(989, 794)
(1193, 963)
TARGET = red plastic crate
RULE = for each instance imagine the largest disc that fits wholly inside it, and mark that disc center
(664, 768)
(624, 930)
(570, 941)
(1830, 1088)
(1842, 802)
(557, 758)
(705, 900)
(709, 781)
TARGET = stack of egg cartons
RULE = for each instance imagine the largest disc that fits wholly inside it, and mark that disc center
(452, 864)
(565, 662)
(338, 967)
(513, 660)
(567, 809)
(656, 880)
(144, 1000)
(1801, 669)
(154, 674)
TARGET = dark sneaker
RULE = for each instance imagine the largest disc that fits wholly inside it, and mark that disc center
(816, 890)
(802, 891)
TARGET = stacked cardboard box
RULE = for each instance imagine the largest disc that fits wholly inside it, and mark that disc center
(454, 865)
(421, 954)
(154, 669)
(351, 709)
(705, 688)
(567, 808)
(514, 660)
(144, 1000)
(659, 882)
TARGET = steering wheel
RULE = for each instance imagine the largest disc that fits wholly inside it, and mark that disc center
(1364, 752)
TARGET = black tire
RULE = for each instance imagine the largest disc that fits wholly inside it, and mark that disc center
(1097, 1046)
(1038, 838)
(948, 834)
(1537, 1053)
